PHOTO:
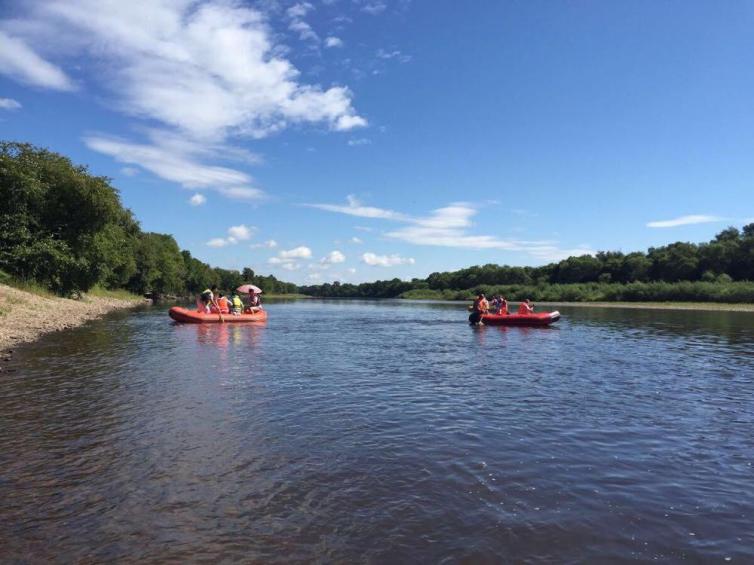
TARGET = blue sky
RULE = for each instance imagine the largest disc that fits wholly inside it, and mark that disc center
(364, 139)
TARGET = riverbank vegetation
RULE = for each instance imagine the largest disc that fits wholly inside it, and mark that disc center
(65, 230)
(721, 270)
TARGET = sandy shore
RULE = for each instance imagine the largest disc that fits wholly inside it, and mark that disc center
(25, 316)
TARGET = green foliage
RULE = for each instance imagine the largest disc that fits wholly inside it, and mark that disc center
(717, 271)
(66, 230)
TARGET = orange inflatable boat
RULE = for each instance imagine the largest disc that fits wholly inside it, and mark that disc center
(186, 316)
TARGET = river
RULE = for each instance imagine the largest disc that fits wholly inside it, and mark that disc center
(382, 432)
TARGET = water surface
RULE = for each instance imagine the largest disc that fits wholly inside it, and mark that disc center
(382, 432)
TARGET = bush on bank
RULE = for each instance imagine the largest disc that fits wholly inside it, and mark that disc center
(685, 291)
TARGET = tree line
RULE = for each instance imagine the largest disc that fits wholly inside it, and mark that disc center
(67, 230)
(719, 270)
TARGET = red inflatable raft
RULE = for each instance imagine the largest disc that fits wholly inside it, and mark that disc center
(534, 319)
(187, 316)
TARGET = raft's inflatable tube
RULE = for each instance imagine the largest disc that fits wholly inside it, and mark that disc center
(536, 319)
(186, 316)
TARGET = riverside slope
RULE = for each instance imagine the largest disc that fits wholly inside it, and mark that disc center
(24, 316)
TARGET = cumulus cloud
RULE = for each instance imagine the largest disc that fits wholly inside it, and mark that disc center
(22, 63)
(333, 42)
(301, 252)
(685, 221)
(333, 257)
(235, 234)
(386, 260)
(197, 199)
(218, 242)
(289, 259)
(240, 233)
(9, 104)
(356, 240)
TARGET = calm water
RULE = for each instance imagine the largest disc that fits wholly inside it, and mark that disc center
(382, 432)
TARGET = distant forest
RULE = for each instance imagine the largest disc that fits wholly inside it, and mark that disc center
(66, 230)
(721, 270)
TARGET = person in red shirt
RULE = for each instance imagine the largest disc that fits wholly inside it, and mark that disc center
(526, 307)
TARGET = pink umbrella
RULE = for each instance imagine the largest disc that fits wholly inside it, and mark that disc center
(245, 288)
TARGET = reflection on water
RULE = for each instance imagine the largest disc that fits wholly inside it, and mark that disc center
(361, 431)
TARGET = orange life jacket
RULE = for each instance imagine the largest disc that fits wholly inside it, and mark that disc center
(524, 308)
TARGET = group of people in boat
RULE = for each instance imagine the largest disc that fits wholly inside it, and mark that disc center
(213, 302)
(498, 305)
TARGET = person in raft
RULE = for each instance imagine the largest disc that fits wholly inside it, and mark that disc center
(495, 304)
(255, 302)
(526, 307)
(502, 305)
(236, 304)
(479, 308)
(223, 304)
(207, 298)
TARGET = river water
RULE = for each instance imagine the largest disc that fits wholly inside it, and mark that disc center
(382, 432)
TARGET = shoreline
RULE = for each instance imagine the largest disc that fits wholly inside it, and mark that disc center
(698, 306)
(26, 316)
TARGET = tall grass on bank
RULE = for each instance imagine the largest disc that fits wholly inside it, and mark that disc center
(685, 291)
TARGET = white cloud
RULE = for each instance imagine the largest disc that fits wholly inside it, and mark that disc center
(333, 42)
(351, 270)
(206, 71)
(197, 199)
(235, 234)
(22, 63)
(356, 240)
(374, 8)
(296, 13)
(299, 10)
(288, 259)
(240, 233)
(179, 163)
(449, 227)
(397, 55)
(269, 244)
(359, 141)
(333, 257)
(178, 69)
(301, 252)
(345, 123)
(386, 260)
(9, 104)
(685, 221)
(218, 242)
(355, 208)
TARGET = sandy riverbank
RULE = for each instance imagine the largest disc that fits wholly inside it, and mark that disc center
(25, 316)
